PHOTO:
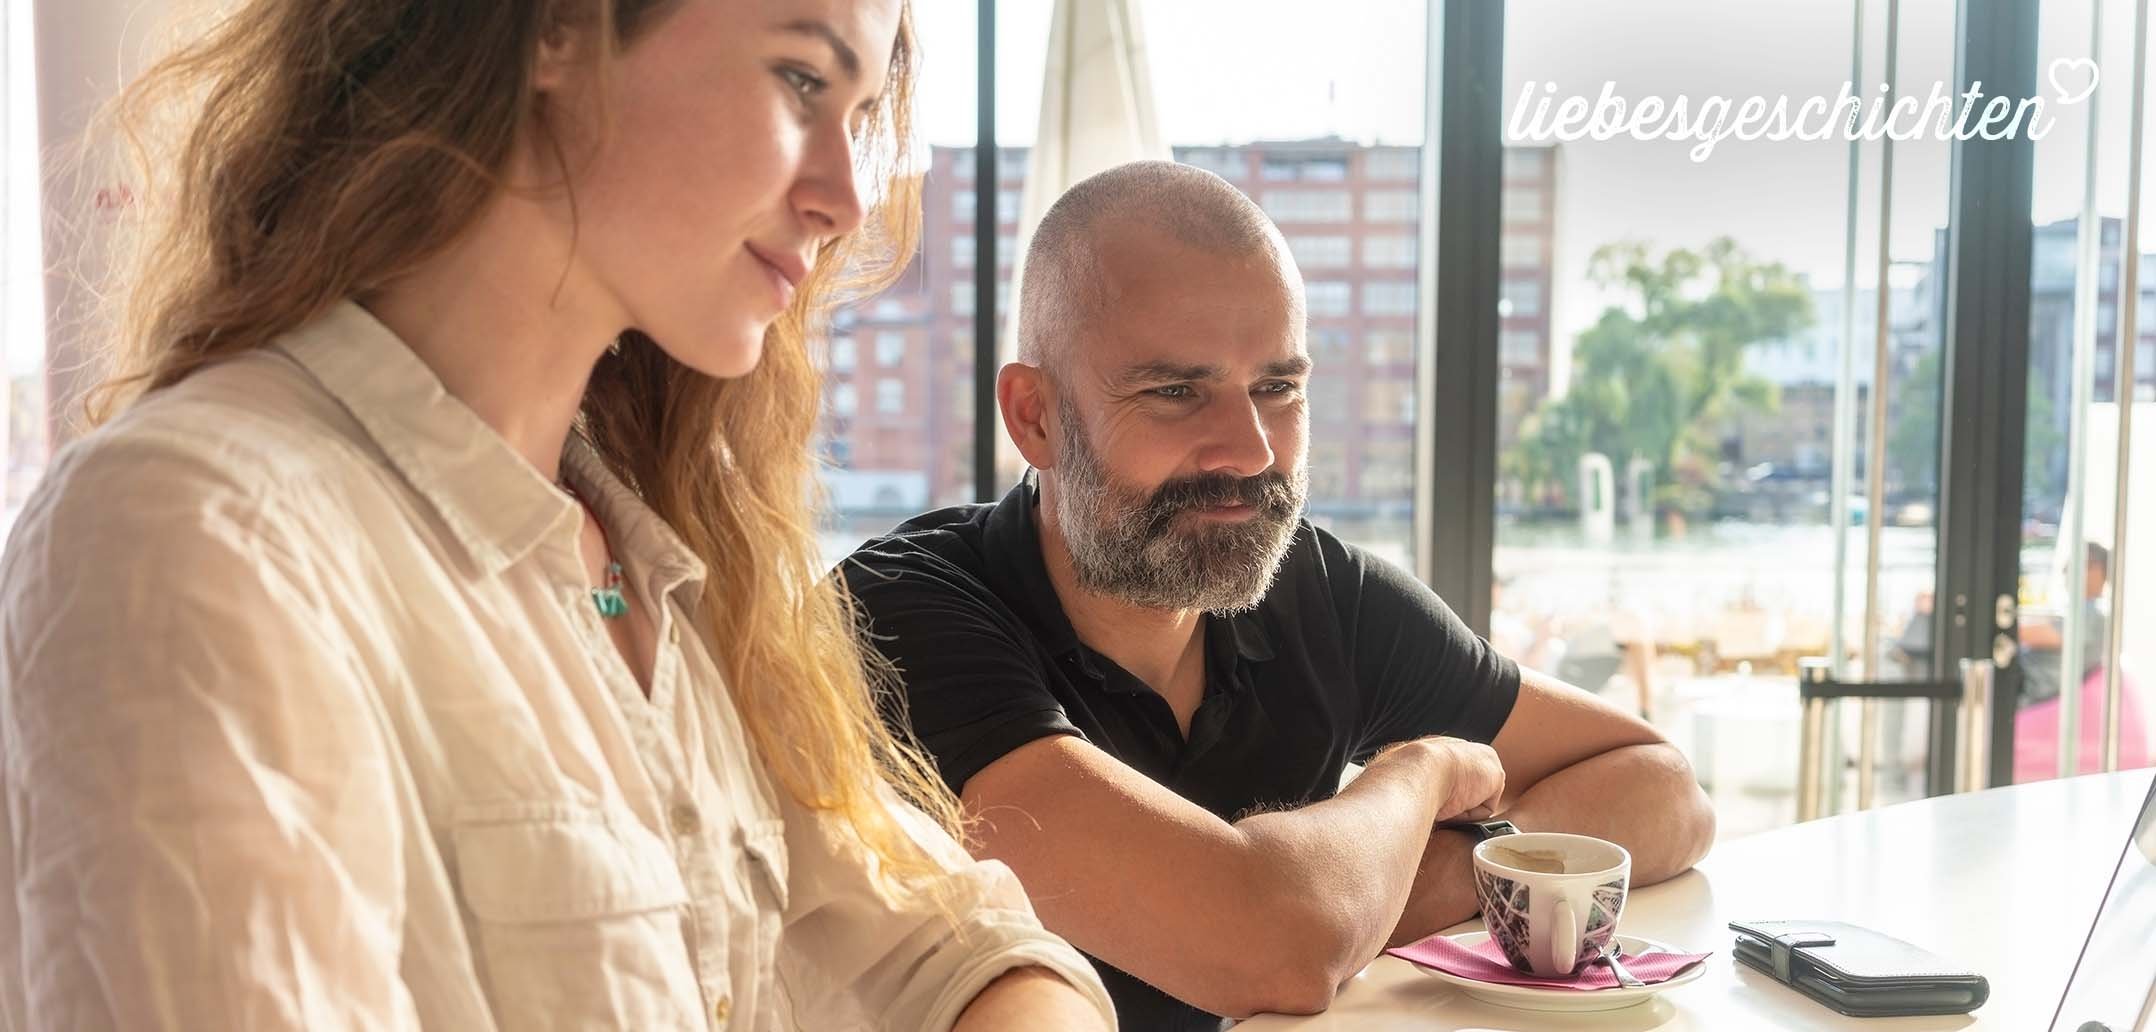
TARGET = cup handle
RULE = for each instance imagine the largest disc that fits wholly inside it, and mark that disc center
(1564, 925)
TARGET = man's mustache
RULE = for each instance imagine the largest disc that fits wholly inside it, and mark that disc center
(1271, 493)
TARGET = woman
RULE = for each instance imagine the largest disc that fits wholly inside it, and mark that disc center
(437, 638)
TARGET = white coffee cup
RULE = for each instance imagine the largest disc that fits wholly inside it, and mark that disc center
(1551, 899)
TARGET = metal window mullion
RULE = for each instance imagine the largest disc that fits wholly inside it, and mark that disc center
(986, 181)
(2123, 388)
(1984, 398)
(1464, 155)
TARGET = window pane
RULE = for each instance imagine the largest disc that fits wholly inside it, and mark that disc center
(1670, 341)
(908, 446)
(1296, 106)
(2068, 575)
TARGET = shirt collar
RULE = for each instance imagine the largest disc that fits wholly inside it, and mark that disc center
(1018, 574)
(496, 506)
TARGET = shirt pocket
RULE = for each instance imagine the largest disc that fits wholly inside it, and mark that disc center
(578, 919)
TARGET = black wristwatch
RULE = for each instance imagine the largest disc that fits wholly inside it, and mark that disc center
(1482, 830)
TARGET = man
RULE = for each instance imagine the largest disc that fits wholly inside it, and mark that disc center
(1144, 673)
(2043, 638)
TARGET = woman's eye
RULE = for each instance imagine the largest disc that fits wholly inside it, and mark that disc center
(804, 84)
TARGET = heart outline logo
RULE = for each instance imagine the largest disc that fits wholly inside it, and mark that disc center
(2076, 65)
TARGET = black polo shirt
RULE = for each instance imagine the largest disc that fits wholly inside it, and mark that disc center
(1346, 654)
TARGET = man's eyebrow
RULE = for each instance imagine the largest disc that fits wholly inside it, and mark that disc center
(1162, 372)
(848, 61)
(1296, 366)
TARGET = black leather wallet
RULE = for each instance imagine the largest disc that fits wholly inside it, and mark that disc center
(1857, 971)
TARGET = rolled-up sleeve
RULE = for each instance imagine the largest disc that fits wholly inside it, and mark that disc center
(852, 960)
(197, 789)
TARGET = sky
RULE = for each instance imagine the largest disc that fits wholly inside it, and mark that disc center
(1230, 71)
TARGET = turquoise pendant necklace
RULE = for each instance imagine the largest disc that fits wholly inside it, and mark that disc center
(607, 598)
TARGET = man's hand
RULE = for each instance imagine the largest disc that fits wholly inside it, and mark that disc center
(1472, 779)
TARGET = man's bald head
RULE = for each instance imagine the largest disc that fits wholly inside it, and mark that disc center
(1068, 284)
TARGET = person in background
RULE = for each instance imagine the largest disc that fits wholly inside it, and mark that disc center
(434, 638)
(2043, 639)
(1145, 673)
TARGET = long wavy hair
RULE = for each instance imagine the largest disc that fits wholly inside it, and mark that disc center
(297, 153)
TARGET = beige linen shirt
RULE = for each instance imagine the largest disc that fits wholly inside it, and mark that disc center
(307, 721)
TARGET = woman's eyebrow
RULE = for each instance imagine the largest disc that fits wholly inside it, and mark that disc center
(849, 62)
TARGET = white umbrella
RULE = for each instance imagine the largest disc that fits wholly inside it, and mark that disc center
(1096, 113)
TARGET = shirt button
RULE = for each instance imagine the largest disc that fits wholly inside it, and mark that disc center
(685, 820)
(723, 1009)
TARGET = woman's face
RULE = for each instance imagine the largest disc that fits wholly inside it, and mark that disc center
(724, 158)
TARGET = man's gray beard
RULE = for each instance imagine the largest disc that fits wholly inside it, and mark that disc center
(1121, 547)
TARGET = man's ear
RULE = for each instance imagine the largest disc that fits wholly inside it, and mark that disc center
(1022, 392)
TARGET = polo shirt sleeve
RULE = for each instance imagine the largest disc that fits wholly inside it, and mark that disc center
(972, 688)
(1418, 667)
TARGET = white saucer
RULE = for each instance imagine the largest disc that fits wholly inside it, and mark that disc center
(1532, 998)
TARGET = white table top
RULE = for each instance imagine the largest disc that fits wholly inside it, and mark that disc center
(2005, 882)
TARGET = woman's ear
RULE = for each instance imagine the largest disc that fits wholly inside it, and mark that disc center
(564, 53)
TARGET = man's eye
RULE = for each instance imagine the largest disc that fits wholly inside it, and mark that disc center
(1174, 391)
(1283, 388)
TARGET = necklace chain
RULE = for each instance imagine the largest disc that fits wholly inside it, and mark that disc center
(607, 598)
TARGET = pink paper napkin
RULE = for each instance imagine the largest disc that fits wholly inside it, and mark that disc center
(1485, 962)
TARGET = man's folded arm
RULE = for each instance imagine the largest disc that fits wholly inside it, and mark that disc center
(1270, 913)
(1573, 763)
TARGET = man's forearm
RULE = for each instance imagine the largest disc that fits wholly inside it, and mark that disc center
(1350, 861)
(1642, 797)
(1031, 998)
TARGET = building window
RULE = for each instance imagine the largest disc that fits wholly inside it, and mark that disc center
(1522, 298)
(1329, 343)
(1389, 347)
(962, 298)
(890, 349)
(1011, 162)
(1389, 401)
(1006, 249)
(1524, 162)
(1394, 298)
(1388, 252)
(1227, 164)
(1388, 469)
(1319, 252)
(842, 354)
(1328, 398)
(1006, 206)
(845, 400)
(1332, 206)
(1519, 347)
(1392, 164)
(1328, 297)
(1522, 249)
(890, 397)
(1309, 168)
(962, 206)
(1391, 206)
(962, 248)
(1521, 204)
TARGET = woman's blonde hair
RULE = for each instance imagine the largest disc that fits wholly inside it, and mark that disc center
(297, 153)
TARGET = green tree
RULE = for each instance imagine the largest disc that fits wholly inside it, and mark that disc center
(1913, 436)
(1662, 370)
